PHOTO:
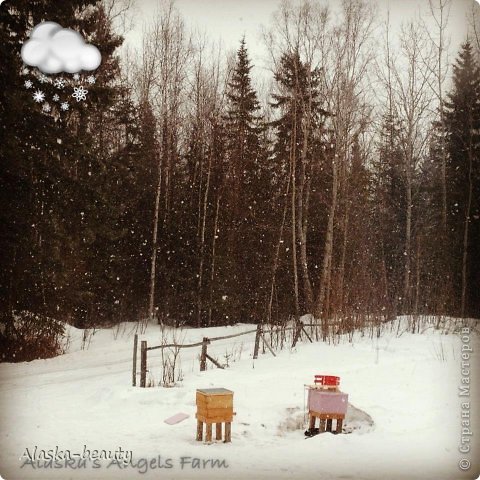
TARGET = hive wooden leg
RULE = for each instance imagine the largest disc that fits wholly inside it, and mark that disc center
(228, 432)
(312, 422)
(339, 425)
(322, 425)
(199, 431)
(218, 431)
(329, 425)
(208, 437)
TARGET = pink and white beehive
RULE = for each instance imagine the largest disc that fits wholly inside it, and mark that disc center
(327, 403)
(324, 402)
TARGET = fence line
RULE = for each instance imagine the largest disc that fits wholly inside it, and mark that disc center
(260, 334)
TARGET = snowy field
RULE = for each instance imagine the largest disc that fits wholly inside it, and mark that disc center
(408, 385)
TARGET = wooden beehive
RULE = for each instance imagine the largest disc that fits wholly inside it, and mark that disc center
(214, 405)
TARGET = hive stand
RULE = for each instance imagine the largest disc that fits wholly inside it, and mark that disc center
(214, 405)
(326, 422)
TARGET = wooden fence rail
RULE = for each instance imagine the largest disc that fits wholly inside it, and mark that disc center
(204, 356)
(176, 345)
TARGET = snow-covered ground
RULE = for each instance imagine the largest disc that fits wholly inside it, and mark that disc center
(408, 384)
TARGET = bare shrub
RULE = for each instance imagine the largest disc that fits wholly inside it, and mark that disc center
(170, 355)
(87, 335)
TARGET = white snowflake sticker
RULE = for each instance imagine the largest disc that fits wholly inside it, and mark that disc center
(43, 79)
(46, 108)
(76, 77)
(28, 84)
(79, 93)
(39, 96)
(56, 98)
(59, 83)
(91, 79)
(64, 106)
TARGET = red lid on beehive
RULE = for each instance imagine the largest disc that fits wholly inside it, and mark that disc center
(327, 380)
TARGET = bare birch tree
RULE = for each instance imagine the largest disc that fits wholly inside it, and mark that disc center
(161, 80)
(440, 11)
(301, 30)
(206, 96)
(350, 59)
(411, 77)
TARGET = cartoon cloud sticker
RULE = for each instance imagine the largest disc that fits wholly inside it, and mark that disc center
(53, 49)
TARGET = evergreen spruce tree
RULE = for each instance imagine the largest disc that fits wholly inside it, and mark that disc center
(389, 210)
(463, 174)
(245, 196)
(31, 177)
(360, 255)
(296, 86)
(243, 128)
(299, 153)
(436, 259)
(57, 216)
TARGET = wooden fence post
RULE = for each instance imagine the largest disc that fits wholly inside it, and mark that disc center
(143, 363)
(257, 341)
(298, 331)
(134, 368)
(203, 357)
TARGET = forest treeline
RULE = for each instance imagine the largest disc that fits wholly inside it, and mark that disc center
(186, 190)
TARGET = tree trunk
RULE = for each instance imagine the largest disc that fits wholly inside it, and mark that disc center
(408, 241)
(153, 263)
(302, 203)
(417, 279)
(212, 267)
(465, 232)
(293, 163)
(277, 252)
(302, 222)
(202, 244)
(341, 273)
(387, 309)
(320, 311)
